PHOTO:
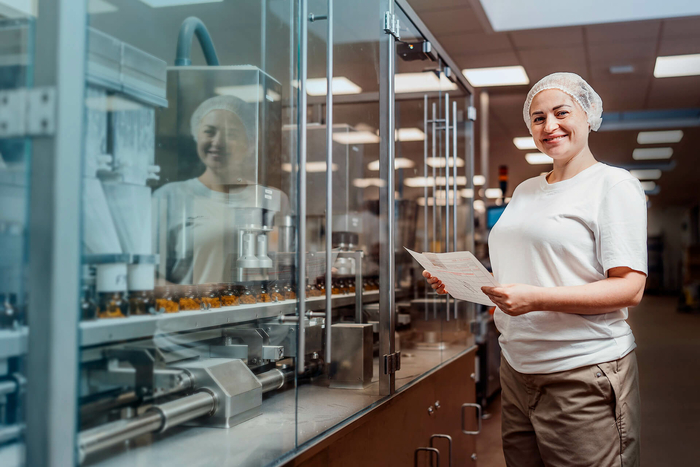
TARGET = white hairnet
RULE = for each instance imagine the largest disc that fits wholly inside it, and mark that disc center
(229, 103)
(577, 88)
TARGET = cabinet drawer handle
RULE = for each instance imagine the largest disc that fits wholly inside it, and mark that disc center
(430, 451)
(449, 452)
(478, 412)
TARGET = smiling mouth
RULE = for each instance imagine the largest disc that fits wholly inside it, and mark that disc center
(554, 139)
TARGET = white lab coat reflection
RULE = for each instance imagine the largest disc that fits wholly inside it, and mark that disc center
(196, 231)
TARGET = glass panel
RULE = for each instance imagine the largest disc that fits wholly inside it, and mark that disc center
(189, 238)
(16, 65)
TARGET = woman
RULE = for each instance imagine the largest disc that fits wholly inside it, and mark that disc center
(570, 251)
(196, 234)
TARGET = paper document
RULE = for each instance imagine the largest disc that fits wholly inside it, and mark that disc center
(462, 274)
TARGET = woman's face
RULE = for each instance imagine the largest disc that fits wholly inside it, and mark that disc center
(221, 140)
(559, 124)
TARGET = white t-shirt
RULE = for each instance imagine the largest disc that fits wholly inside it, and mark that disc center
(566, 234)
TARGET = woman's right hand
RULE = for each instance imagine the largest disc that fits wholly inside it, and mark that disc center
(435, 283)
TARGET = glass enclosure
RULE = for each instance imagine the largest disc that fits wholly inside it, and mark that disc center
(238, 293)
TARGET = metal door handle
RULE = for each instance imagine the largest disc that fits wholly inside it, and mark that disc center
(449, 452)
(429, 450)
(478, 411)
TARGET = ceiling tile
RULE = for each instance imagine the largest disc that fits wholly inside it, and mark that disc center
(622, 95)
(475, 43)
(560, 57)
(612, 33)
(537, 73)
(622, 53)
(681, 27)
(688, 45)
(673, 93)
(548, 38)
(486, 60)
(451, 21)
(600, 71)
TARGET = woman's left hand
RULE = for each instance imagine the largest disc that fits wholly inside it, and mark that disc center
(514, 299)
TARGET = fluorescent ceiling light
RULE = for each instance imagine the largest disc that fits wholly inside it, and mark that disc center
(422, 82)
(164, 3)
(496, 76)
(493, 193)
(467, 193)
(95, 7)
(367, 182)
(677, 65)
(311, 167)
(418, 182)
(440, 201)
(648, 186)
(439, 162)
(440, 194)
(479, 180)
(341, 85)
(646, 174)
(479, 205)
(524, 142)
(248, 93)
(659, 137)
(410, 134)
(509, 15)
(537, 158)
(621, 69)
(642, 154)
(399, 163)
(355, 137)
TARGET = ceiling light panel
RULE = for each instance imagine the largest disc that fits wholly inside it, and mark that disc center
(410, 134)
(493, 193)
(479, 180)
(467, 193)
(356, 137)
(677, 65)
(341, 85)
(419, 182)
(439, 162)
(422, 82)
(537, 158)
(648, 186)
(399, 163)
(659, 137)
(524, 142)
(644, 154)
(646, 174)
(497, 76)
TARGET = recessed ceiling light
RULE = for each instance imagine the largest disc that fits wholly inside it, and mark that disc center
(399, 163)
(677, 65)
(341, 85)
(479, 205)
(418, 182)
(367, 182)
(410, 134)
(439, 162)
(621, 69)
(497, 76)
(479, 180)
(355, 137)
(440, 201)
(422, 82)
(311, 167)
(646, 174)
(658, 137)
(164, 3)
(493, 193)
(648, 186)
(467, 193)
(642, 154)
(524, 142)
(537, 158)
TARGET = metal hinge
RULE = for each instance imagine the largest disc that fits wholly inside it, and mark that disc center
(392, 363)
(391, 25)
(471, 113)
(28, 112)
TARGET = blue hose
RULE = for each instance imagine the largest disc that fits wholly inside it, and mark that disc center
(190, 27)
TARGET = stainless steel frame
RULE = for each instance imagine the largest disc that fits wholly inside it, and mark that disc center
(329, 177)
(301, 185)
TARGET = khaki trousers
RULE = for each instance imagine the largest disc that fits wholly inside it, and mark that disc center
(587, 416)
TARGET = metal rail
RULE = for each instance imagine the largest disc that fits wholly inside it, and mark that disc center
(329, 176)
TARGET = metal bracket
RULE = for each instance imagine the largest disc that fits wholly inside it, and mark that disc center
(391, 25)
(392, 363)
(471, 113)
(28, 112)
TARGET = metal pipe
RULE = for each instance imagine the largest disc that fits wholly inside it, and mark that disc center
(454, 185)
(434, 185)
(447, 172)
(301, 184)
(157, 419)
(190, 27)
(273, 379)
(425, 188)
(484, 101)
(329, 176)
